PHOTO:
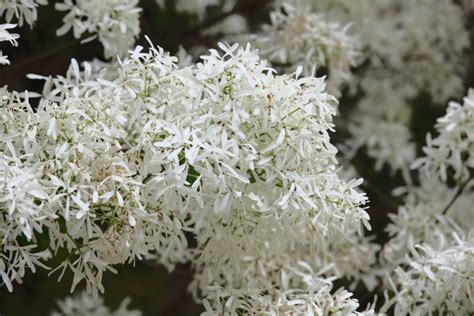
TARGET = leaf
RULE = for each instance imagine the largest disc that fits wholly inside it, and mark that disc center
(192, 176)
(62, 224)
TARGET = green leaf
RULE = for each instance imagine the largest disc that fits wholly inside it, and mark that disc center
(62, 224)
(192, 175)
(252, 178)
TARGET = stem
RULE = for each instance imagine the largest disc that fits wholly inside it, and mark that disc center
(457, 195)
(48, 53)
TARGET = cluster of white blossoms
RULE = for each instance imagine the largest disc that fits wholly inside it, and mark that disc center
(450, 153)
(388, 105)
(116, 165)
(198, 8)
(437, 281)
(228, 165)
(298, 36)
(425, 218)
(116, 23)
(431, 245)
(72, 174)
(319, 301)
(85, 305)
(425, 58)
(21, 10)
(5, 35)
(377, 39)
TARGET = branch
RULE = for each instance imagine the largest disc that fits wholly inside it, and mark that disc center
(46, 54)
(457, 195)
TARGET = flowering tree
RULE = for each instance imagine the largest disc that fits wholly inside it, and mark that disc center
(241, 159)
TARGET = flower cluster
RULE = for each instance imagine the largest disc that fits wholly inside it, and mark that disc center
(433, 266)
(422, 59)
(21, 10)
(7, 36)
(381, 114)
(293, 302)
(450, 153)
(71, 181)
(297, 36)
(198, 8)
(115, 22)
(406, 47)
(426, 56)
(435, 209)
(227, 165)
(425, 218)
(116, 164)
(437, 281)
(84, 305)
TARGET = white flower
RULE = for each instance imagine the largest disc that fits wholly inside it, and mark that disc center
(418, 56)
(381, 123)
(233, 24)
(419, 49)
(317, 301)
(451, 151)
(433, 267)
(128, 158)
(199, 8)
(6, 36)
(21, 10)
(115, 23)
(437, 281)
(85, 305)
(298, 36)
(424, 219)
(24, 199)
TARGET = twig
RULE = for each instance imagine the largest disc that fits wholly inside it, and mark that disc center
(457, 195)
(44, 55)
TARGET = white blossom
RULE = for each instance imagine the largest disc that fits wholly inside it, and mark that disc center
(418, 56)
(450, 153)
(437, 281)
(432, 209)
(23, 197)
(318, 301)
(116, 23)
(432, 265)
(6, 36)
(126, 159)
(85, 305)
(424, 219)
(298, 36)
(198, 8)
(419, 49)
(134, 158)
(381, 123)
(231, 25)
(21, 10)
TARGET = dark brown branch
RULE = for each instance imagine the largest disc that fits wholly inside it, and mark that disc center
(46, 54)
